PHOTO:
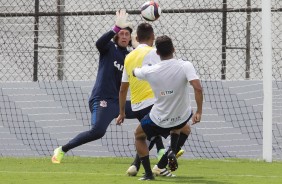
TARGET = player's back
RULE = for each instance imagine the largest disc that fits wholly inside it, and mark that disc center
(169, 81)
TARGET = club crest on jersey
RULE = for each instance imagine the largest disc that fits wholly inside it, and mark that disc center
(118, 66)
(165, 93)
(103, 103)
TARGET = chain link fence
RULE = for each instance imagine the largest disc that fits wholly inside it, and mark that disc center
(55, 40)
(53, 44)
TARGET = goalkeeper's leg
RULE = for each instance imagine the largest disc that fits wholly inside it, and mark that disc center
(100, 120)
(93, 134)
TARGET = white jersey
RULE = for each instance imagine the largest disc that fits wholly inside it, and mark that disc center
(169, 81)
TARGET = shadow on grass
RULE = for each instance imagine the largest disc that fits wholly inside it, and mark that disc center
(189, 179)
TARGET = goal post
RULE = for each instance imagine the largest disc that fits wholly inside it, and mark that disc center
(267, 80)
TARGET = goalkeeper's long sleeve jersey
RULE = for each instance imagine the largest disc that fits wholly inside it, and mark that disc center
(111, 62)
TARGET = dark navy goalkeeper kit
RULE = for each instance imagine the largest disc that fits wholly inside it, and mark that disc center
(104, 102)
(110, 68)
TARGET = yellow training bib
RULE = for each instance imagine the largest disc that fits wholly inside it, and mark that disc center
(140, 89)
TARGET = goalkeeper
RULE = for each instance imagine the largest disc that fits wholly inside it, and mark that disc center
(103, 102)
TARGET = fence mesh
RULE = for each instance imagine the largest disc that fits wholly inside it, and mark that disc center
(58, 37)
(52, 43)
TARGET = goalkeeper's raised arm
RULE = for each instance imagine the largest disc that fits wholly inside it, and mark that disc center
(103, 102)
(120, 33)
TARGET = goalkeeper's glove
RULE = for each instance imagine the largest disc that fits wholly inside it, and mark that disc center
(121, 21)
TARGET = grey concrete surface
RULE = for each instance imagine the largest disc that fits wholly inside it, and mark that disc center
(36, 117)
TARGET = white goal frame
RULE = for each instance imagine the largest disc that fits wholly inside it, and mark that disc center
(267, 80)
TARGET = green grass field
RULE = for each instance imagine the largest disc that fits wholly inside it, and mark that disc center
(112, 170)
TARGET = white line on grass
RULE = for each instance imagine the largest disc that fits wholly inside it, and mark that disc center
(88, 173)
(243, 175)
(48, 172)
(250, 175)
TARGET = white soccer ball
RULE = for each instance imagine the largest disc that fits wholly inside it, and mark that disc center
(151, 11)
(132, 171)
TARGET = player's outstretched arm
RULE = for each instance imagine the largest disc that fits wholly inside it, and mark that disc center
(122, 101)
(198, 91)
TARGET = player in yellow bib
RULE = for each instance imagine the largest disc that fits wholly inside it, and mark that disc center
(142, 96)
(141, 92)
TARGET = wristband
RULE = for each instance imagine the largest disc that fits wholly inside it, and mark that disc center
(116, 29)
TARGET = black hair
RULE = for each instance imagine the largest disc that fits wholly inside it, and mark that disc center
(144, 32)
(129, 29)
(164, 46)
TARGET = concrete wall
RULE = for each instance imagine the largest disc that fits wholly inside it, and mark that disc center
(36, 117)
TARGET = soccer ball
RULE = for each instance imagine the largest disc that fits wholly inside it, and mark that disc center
(150, 11)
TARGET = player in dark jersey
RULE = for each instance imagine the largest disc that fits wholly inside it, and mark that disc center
(104, 102)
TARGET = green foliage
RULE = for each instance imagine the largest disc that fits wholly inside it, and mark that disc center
(112, 170)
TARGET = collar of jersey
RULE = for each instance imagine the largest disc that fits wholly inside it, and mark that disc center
(168, 60)
(141, 45)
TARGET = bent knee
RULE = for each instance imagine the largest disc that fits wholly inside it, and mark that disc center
(186, 129)
(96, 134)
(139, 134)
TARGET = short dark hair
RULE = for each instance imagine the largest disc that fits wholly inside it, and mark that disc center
(144, 32)
(128, 28)
(164, 46)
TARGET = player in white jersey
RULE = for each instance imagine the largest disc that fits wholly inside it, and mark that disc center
(172, 109)
(141, 94)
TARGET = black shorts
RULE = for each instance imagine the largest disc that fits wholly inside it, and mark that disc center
(142, 113)
(152, 130)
